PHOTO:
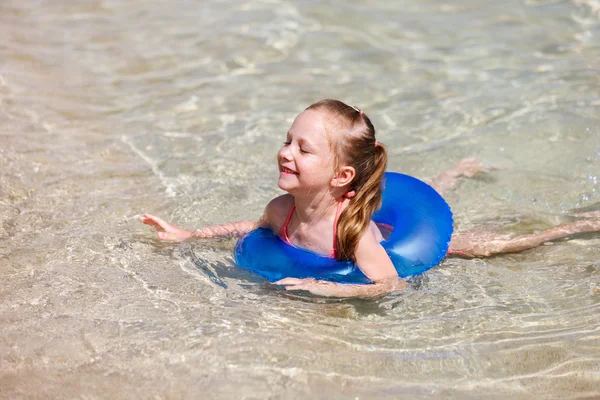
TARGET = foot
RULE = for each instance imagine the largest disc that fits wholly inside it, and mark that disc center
(468, 167)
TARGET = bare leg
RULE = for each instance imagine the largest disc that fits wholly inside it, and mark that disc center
(589, 215)
(476, 243)
(467, 167)
(480, 243)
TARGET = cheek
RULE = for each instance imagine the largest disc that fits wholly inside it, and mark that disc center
(302, 164)
(326, 163)
(321, 169)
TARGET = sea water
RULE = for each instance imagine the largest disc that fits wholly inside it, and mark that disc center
(112, 108)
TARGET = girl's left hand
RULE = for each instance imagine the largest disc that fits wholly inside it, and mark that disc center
(319, 288)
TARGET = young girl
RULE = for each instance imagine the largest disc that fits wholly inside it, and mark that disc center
(331, 167)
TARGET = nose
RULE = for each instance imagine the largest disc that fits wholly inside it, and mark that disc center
(285, 153)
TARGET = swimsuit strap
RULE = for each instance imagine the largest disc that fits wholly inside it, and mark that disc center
(283, 233)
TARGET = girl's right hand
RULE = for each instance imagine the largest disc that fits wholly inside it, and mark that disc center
(165, 231)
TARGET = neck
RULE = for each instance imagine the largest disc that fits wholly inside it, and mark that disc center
(311, 209)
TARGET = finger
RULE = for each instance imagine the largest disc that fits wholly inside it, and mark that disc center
(289, 281)
(155, 222)
(146, 218)
(297, 287)
(161, 222)
(149, 222)
(152, 218)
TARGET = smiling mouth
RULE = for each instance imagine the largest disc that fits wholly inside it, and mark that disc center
(288, 171)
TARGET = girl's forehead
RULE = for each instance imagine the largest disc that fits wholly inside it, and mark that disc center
(309, 125)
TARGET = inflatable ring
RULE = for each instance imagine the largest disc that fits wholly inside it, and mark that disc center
(422, 226)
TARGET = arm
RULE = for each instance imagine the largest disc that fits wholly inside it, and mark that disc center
(372, 260)
(333, 289)
(225, 230)
(272, 218)
(166, 231)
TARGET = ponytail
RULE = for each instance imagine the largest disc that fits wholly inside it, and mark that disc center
(355, 219)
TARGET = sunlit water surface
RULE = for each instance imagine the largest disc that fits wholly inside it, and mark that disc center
(113, 108)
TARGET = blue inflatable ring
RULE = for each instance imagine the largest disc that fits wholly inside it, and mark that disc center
(422, 226)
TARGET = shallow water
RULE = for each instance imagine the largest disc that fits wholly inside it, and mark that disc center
(113, 108)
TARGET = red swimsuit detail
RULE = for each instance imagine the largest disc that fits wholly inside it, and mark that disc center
(283, 233)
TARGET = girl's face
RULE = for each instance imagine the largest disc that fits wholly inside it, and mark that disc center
(306, 161)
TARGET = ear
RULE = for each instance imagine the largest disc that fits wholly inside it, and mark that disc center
(344, 176)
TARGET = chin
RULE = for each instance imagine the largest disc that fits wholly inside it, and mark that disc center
(285, 186)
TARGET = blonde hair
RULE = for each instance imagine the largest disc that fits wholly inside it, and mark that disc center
(355, 145)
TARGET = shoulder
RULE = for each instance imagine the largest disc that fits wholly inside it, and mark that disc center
(376, 232)
(285, 201)
(277, 210)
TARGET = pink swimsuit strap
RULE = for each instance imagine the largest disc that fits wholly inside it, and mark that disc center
(283, 233)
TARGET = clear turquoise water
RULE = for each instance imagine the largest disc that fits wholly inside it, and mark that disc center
(113, 108)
